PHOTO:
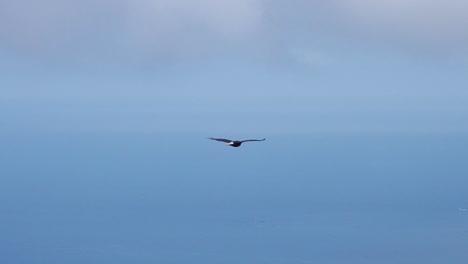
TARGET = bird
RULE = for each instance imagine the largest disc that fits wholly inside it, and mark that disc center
(235, 143)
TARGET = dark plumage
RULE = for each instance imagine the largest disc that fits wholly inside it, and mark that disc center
(235, 143)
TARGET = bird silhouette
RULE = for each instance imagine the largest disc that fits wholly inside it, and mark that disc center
(235, 143)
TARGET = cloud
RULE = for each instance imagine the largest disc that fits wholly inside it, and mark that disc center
(187, 26)
(174, 28)
(150, 25)
(309, 57)
(420, 22)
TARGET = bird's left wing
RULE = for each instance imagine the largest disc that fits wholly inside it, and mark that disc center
(221, 139)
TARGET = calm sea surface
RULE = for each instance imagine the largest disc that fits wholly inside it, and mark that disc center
(128, 198)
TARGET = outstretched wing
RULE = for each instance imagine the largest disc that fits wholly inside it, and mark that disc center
(221, 139)
(252, 140)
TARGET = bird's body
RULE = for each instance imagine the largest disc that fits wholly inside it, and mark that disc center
(235, 143)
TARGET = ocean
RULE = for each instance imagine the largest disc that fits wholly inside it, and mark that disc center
(173, 199)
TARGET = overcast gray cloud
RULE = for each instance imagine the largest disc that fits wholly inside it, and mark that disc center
(187, 26)
(155, 26)
(421, 22)
(184, 27)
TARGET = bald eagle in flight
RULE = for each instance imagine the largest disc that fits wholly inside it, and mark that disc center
(235, 143)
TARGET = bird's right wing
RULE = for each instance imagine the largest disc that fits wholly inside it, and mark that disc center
(221, 139)
(253, 140)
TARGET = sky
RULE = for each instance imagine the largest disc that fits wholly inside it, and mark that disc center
(106, 105)
(349, 65)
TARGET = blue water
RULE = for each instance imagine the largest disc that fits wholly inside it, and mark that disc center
(141, 198)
